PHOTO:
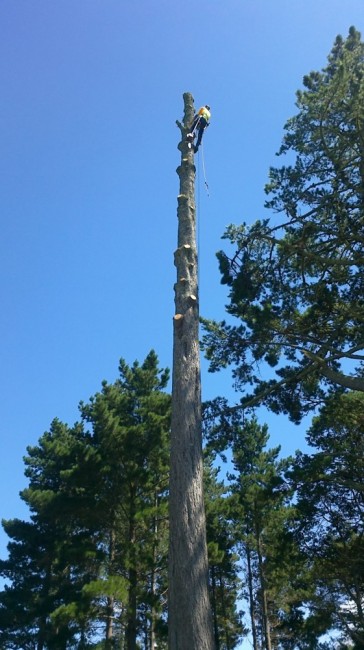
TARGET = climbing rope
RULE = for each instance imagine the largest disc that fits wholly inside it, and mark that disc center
(196, 125)
(204, 172)
(198, 211)
(198, 217)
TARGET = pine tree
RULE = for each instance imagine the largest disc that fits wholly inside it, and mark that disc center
(261, 505)
(296, 285)
(330, 516)
(190, 623)
(91, 565)
(223, 561)
(130, 422)
(51, 557)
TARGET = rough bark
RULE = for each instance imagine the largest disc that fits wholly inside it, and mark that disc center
(190, 618)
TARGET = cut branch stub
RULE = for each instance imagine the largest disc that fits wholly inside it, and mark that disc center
(190, 621)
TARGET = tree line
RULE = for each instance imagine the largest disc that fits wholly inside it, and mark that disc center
(285, 535)
(285, 540)
(89, 568)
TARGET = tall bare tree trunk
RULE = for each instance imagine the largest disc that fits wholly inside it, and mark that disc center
(264, 599)
(131, 626)
(251, 598)
(214, 607)
(153, 579)
(110, 600)
(190, 618)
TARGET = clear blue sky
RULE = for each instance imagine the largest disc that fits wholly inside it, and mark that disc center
(90, 91)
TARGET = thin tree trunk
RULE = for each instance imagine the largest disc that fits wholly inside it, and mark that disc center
(42, 623)
(131, 627)
(265, 617)
(109, 631)
(214, 607)
(153, 614)
(251, 597)
(190, 619)
(224, 612)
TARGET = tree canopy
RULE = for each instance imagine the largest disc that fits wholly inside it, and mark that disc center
(90, 566)
(329, 523)
(296, 284)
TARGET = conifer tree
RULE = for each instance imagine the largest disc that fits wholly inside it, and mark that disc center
(130, 422)
(296, 283)
(190, 621)
(225, 583)
(52, 556)
(91, 564)
(260, 501)
(329, 524)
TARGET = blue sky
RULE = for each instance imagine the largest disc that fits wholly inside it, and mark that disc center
(91, 90)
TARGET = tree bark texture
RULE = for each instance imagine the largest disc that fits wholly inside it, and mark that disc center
(190, 617)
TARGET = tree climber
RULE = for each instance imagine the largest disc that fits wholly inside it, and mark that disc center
(200, 122)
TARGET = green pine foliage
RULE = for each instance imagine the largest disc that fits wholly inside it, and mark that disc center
(225, 583)
(295, 528)
(52, 555)
(260, 502)
(329, 524)
(89, 570)
(296, 283)
(90, 565)
(130, 422)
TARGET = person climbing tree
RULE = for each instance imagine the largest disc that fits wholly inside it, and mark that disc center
(200, 122)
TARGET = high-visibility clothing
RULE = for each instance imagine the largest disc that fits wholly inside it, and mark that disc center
(205, 113)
